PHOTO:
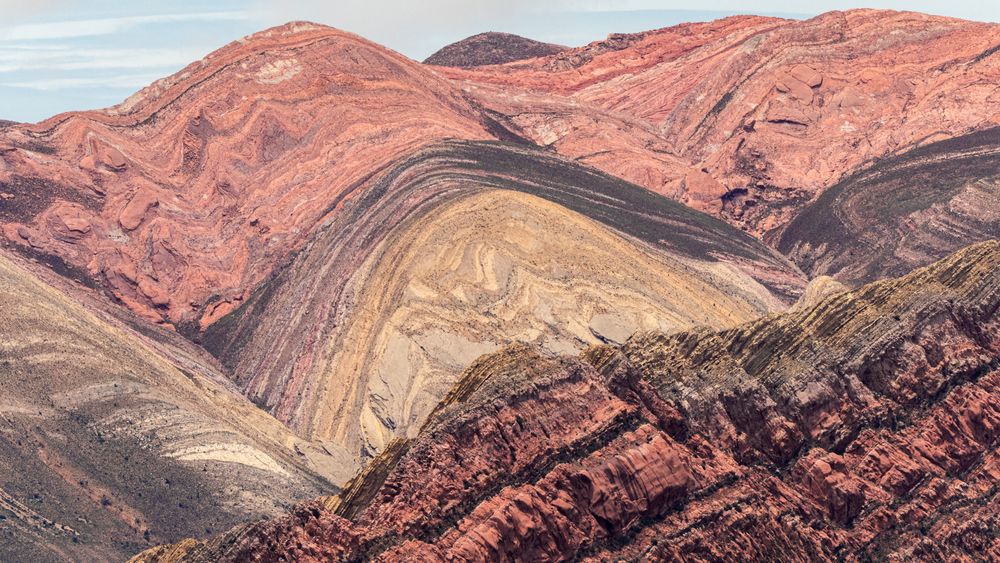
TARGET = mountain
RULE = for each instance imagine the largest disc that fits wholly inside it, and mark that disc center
(462, 248)
(269, 275)
(117, 436)
(186, 196)
(864, 427)
(491, 48)
(750, 118)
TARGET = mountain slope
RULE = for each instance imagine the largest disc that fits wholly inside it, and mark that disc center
(901, 212)
(113, 439)
(462, 248)
(183, 198)
(774, 111)
(491, 48)
(879, 441)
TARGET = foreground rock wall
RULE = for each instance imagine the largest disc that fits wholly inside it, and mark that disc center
(864, 427)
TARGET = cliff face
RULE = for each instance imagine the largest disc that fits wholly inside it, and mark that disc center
(491, 48)
(463, 248)
(863, 427)
(749, 118)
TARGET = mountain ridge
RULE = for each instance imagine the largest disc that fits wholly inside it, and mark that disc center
(628, 452)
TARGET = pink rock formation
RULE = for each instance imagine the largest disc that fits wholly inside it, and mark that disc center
(191, 191)
(775, 110)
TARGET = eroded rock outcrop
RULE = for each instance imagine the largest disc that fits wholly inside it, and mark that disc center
(775, 110)
(879, 441)
(463, 248)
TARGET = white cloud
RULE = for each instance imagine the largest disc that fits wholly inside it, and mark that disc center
(41, 58)
(107, 26)
(13, 10)
(134, 81)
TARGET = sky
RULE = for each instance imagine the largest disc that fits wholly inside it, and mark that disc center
(61, 55)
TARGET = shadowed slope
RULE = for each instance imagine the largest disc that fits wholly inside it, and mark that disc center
(465, 247)
(879, 441)
(902, 212)
(110, 441)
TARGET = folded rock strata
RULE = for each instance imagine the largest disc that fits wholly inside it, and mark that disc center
(463, 248)
(879, 441)
(187, 195)
(774, 110)
(902, 212)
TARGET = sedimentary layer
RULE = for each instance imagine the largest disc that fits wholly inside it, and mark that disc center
(461, 249)
(748, 117)
(183, 198)
(863, 427)
(114, 438)
(902, 212)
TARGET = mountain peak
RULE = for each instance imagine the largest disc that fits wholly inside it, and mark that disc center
(491, 48)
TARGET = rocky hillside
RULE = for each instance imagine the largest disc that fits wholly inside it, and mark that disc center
(902, 212)
(864, 427)
(749, 118)
(115, 436)
(462, 248)
(186, 196)
(491, 48)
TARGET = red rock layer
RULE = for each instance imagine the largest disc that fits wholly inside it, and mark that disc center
(872, 433)
(184, 197)
(749, 117)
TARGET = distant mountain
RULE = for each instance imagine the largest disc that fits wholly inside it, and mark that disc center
(491, 48)
(749, 118)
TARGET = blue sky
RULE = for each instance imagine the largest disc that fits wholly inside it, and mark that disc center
(60, 55)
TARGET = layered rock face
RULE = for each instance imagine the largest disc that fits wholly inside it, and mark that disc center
(491, 48)
(749, 118)
(183, 198)
(902, 212)
(461, 249)
(115, 436)
(863, 427)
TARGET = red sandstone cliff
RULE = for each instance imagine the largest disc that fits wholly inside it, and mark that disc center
(863, 427)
